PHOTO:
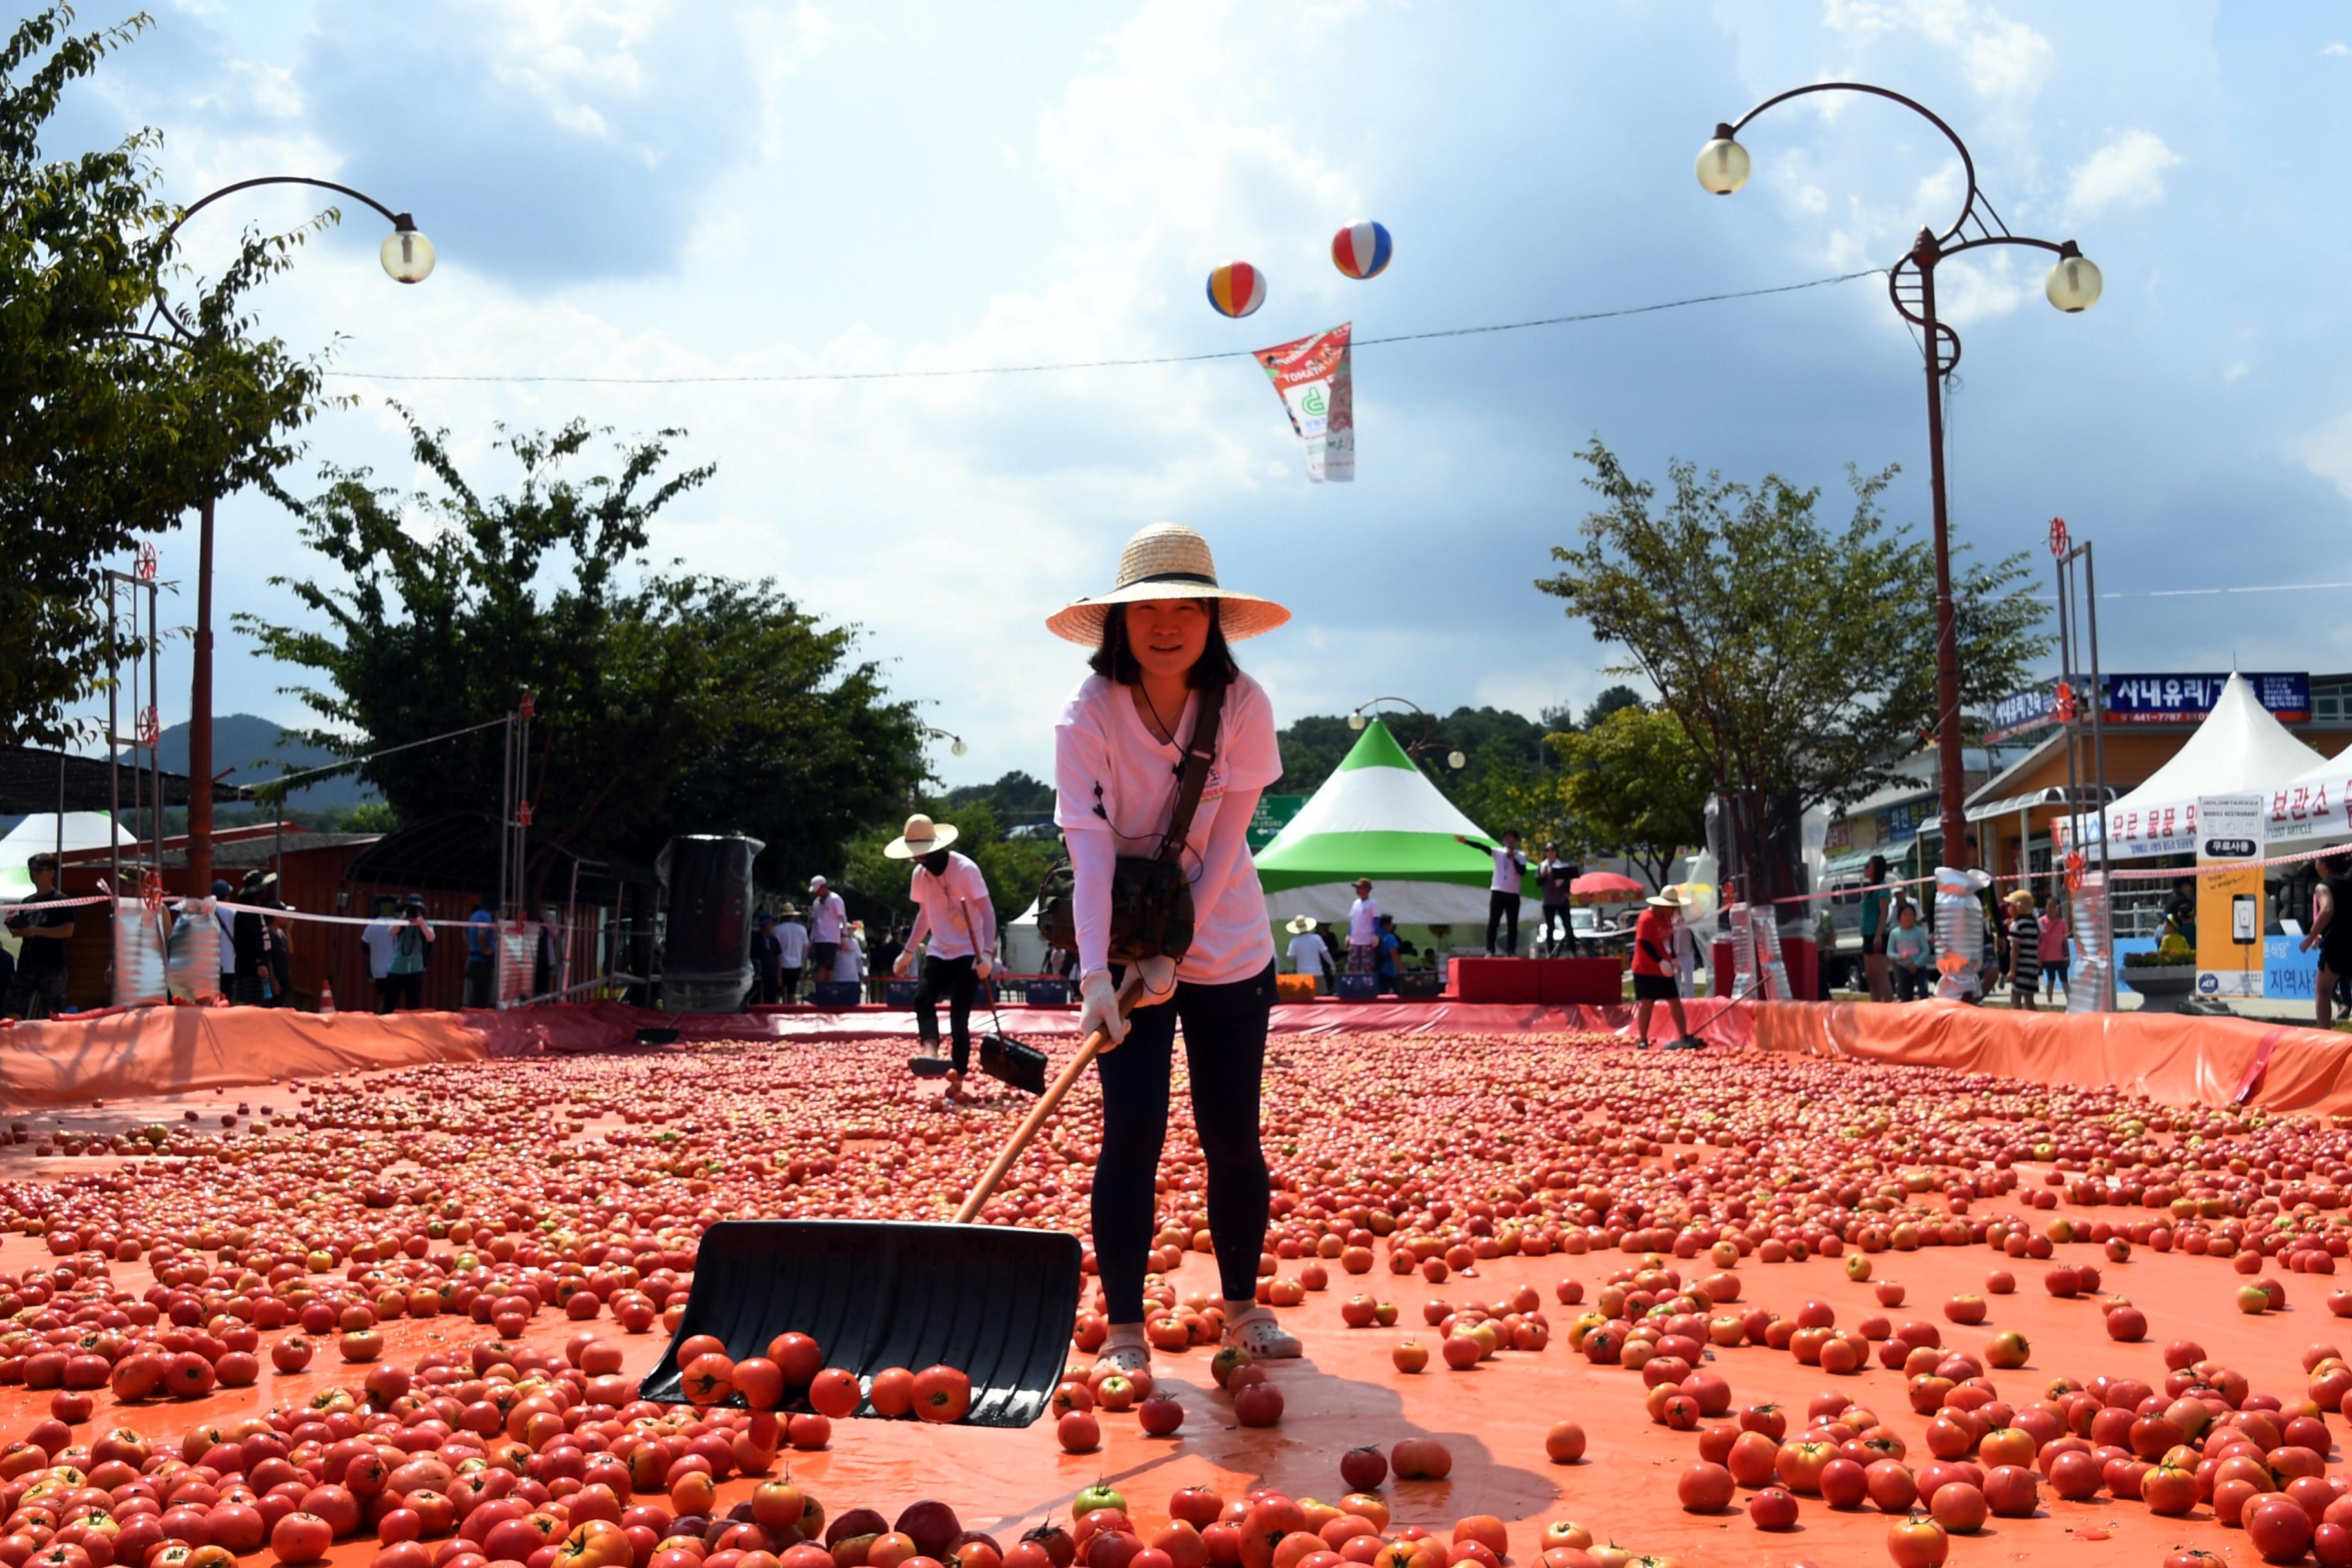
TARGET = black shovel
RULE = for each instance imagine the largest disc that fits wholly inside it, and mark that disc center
(997, 1303)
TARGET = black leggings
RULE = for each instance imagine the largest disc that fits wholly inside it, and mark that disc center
(1224, 1049)
(1503, 909)
(952, 978)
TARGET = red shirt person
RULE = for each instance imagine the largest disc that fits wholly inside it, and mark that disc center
(1655, 971)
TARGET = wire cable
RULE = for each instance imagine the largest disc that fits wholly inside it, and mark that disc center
(1046, 366)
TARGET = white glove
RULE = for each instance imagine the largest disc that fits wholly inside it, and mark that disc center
(906, 961)
(1149, 981)
(983, 966)
(1099, 1009)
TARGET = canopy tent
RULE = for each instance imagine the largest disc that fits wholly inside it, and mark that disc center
(1024, 943)
(2239, 749)
(1377, 815)
(38, 835)
(2312, 809)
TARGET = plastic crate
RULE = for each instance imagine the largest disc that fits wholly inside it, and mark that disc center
(837, 994)
(899, 992)
(1048, 993)
(1359, 988)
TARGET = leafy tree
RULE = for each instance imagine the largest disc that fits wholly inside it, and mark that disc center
(1312, 749)
(665, 703)
(1612, 700)
(1014, 866)
(1015, 798)
(108, 427)
(1634, 783)
(1507, 793)
(1800, 657)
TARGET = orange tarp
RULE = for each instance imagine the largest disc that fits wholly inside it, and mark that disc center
(138, 1052)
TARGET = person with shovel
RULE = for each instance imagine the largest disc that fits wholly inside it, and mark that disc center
(1655, 971)
(1159, 758)
(953, 913)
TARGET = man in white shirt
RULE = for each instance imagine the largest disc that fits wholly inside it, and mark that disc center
(1309, 954)
(381, 937)
(791, 951)
(1503, 892)
(1364, 931)
(828, 918)
(955, 922)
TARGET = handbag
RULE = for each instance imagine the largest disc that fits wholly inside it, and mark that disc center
(1150, 898)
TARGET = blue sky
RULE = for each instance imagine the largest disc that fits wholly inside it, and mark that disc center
(636, 187)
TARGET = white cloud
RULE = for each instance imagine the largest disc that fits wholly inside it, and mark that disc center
(2000, 58)
(2127, 172)
(2337, 49)
(2329, 454)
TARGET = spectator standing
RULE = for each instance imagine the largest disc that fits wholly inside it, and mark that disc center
(1873, 929)
(255, 976)
(2180, 908)
(37, 989)
(1556, 880)
(1391, 947)
(1309, 954)
(828, 918)
(411, 945)
(2057, 961)
(2331, 932)
(228, 924)
(1654, 970)
(955, 924)
(765, 980)
(1364, 931)
(1908, 953)
(381, 937)
(1503, 891)
(849, 954)
(791, 952)
(2024, 950)
(482, 955)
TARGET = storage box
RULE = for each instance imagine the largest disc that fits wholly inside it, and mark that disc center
(1508, 980)
(837, 994)
(899, 992)
(1359, 988)
(1048, 993)
(1294, 988)
(1419, 986)
(1589, 982)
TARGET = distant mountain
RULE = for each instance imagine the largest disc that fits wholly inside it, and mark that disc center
(252, 746)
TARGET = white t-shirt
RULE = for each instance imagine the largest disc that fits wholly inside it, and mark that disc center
(1113, 777)
(1308, 952)
(849, 964)
(1511, 865)
(949, 908)
(828, 915)
(382, 939)
(792, 943)
(1364, 922)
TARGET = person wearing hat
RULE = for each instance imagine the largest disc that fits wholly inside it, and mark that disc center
(411, 945)
(1364, 931)
(2024, 950)
(791, 952)
(1160, 652)
(1309, 954)
(828, 918)
(1655, 973)
(955, 918)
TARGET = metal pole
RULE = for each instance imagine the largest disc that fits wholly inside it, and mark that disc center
(200, 713)
(1951, 777)
(2073, 812)
(2099, 769)
(505, 814)
(114, 732)
(155, 752)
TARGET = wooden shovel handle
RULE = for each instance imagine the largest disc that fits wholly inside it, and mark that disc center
(1047, 1103)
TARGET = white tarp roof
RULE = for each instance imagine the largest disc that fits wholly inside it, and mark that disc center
(2240, 748)
(2310, 808)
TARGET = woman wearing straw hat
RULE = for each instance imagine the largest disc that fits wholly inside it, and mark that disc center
(1309, 953)
(953, 911)
(1162, 665)
(1655, 971)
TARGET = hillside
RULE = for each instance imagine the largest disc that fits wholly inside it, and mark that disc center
(250, 745)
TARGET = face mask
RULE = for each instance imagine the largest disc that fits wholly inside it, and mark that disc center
(936, 862)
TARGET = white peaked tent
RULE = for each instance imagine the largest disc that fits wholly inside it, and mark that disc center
(2311, 808)
(37, 834)
(2239, 749)
(1377, 815)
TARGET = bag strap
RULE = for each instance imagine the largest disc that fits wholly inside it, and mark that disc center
(1199, 753)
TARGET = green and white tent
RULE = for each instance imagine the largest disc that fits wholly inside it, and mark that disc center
(1377, 815)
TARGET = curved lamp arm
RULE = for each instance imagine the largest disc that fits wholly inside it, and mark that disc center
(1968, 164)
(406, 255)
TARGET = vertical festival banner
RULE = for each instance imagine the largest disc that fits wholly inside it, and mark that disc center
(1310, 373)
(2230, 830)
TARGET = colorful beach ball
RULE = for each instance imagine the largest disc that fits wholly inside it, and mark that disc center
(1360, 250)
(1236, 289)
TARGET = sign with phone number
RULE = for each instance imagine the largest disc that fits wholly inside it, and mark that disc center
(2154, 700)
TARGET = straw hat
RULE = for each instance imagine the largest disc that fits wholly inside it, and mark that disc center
(1664, 899)
(921, 837)
(1167, 560)
(1300, 926)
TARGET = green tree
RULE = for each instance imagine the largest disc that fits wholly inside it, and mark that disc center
(666, 703)
(1500, 790)
(1014, 866)
(1015, 798)
(1634, 783)
(112, 423)
(1799, 656)
(1612, 700)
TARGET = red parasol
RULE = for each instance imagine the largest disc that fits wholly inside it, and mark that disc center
(1607, 887)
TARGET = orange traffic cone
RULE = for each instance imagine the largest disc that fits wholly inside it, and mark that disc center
(326, 999)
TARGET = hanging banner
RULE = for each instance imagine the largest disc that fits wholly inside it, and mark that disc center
(2229, 849)
(1311, 375)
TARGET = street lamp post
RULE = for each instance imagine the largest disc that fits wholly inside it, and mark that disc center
(407, 255)
(2074, 285)
(1357, 719)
